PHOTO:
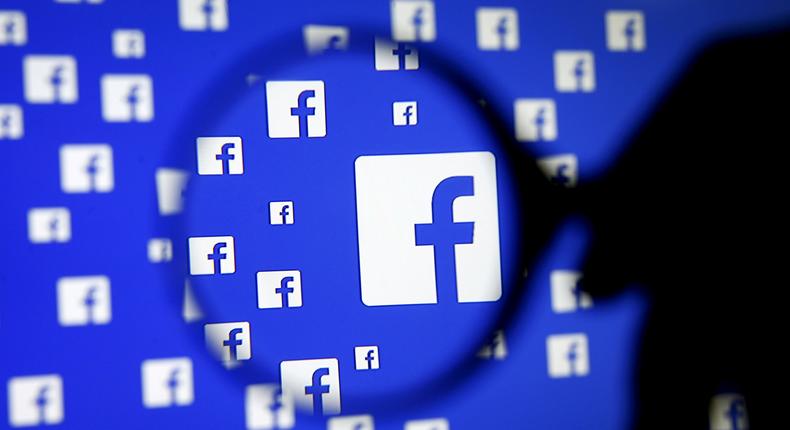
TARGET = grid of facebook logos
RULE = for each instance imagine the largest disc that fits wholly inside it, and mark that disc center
(297, 109)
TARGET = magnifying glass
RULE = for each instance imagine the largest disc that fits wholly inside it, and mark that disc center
(356, 223)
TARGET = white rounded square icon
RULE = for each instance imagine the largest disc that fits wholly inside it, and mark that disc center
(48, 225)
(127, 98)
(212, 255)
(728, 412)
(404, 113)
(366, 357)
(497, 28)
(279, 289)
(12, 124)
(427, 424)
(220, 155)
(351, 422)
(321, 38)
(313, 384)
(229, 342)
(84, 300)
(566, 293)
(404, 203)
(574, 71)
(281, 213)
(295, 109)
(86, 168)
(265, 407)
(203, 15)
(128, 43)
(50, 79)
(562, 169)
(625, 30)
(167, 382)
(170, 187)
(14, 27)
(568, 355)
(536, 120)
(390, 55)
(35, 400)
(413, 20)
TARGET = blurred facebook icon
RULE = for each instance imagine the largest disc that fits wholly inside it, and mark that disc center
(413, 20)
(128, 43)
(265, 407)
(497, 28)
(295, 109)
(229, 342)
(167, 382)
(160, 250)
(322, 38)
(279, 289)
(395, 56)
(11, 122)
(566, 292)
(13, 27)
(220, 156)
(351, 422)
(313, 384)
(48, 225)
(170, 188)
(428, 228)
(127, 98)
(427, 424)
(561, 170)
(86, 168)
(728, 412)
(536, 120)
(574, 71)
(50, 79)
(203, 15)
(35, 400)
(212, 255)
(625, 30)
(84, 300)
(567, 355)
(496, 348)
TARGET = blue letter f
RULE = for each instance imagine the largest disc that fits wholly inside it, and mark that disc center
(217, 257)
(302, 111)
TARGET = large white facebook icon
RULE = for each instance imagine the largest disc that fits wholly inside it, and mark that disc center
(313, 384)
(167, 382)
(50, 79)
(279, 289)
(84, 300)
(220, 156)
(212, 255)
(295, 109)
(34, 400)
(266, 407)
(728, 412)
(127, 98)
(86, 168)
(428, 228)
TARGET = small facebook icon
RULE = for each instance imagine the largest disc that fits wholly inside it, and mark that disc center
(13, 27)
(170, 188)
(127, 98)
(561, 170)
(212, 255)
(566, 292)
(536, 120)
(404, 113)
(413, 20)
(574, 71)
(728, 412)
(496, 348)
(430, 236)
(395, 56)
(497, 29)
(84, 300)
(203, 15)
(11, 122)
(625, 30)
(321, 38)
(295, 109)
(167, 382)
(50, 79)
(313, 384)
(567, 355)
(35, 400)
(160, 250)
(48, 225)
(265, 407)
(86, 168)
(229, 342)
(366, 357)
(220, 156)
(281, 213)
(279, 289)
(128, 43)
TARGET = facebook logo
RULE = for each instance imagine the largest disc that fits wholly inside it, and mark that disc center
(313, 384)
(160, 250)
(170, 188)
(728, 412)
(536, 120)
(86, 168)
(203, 15)
(366, 357)
(497, 29)
(295, 109)
(404, 113)
(127, 98)
(212, 255)
(567, 355)
(50, 79)
(566, 292)
(265, 407)
(351, 422)
(321, 38)
(413, 20)
(35, 400)
(167, 382)
(561, 170)
(190, 308)
(430, 236)
(396, 56)
(625, 30)
(279, 289)
(229, 342)
(220, 156)
(281, 213)
(13, 28)
(48, 225)
(427, 424)
(574, 71)
(84, 300)
(128, 43)
(11, 122)
(496, 348)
